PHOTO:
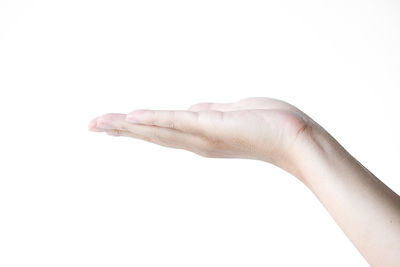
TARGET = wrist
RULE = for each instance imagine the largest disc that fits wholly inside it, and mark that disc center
(315, 149)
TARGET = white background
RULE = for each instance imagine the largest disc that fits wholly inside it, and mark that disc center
(69, 197)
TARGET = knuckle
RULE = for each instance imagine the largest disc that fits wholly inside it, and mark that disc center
(172, 125)
(170, 121)
(151, 119)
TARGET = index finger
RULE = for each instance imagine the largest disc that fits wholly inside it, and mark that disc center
(182, 120)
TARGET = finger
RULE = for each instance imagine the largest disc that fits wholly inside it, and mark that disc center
(192, 148)
(115, 124)
(111, 121)
(244, 104)
(198, 123)
(159, 136)
(264, 103)
(93, 126)
(212, 106)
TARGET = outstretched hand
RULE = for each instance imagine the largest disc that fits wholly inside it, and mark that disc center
(253, 128)
(277, 132)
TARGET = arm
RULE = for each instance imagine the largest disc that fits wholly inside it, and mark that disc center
(364, 207)
(277, 132)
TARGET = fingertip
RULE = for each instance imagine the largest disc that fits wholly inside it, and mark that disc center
(93, 126)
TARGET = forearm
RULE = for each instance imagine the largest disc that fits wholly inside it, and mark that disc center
(364, 207)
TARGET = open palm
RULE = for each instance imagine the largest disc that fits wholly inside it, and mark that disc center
(254, 128)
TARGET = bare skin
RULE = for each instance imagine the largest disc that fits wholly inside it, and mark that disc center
(276, 132)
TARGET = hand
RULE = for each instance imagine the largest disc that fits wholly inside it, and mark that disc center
(277, 132)
(253, 128)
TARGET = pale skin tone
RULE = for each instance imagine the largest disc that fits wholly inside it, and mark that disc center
(274, 131)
